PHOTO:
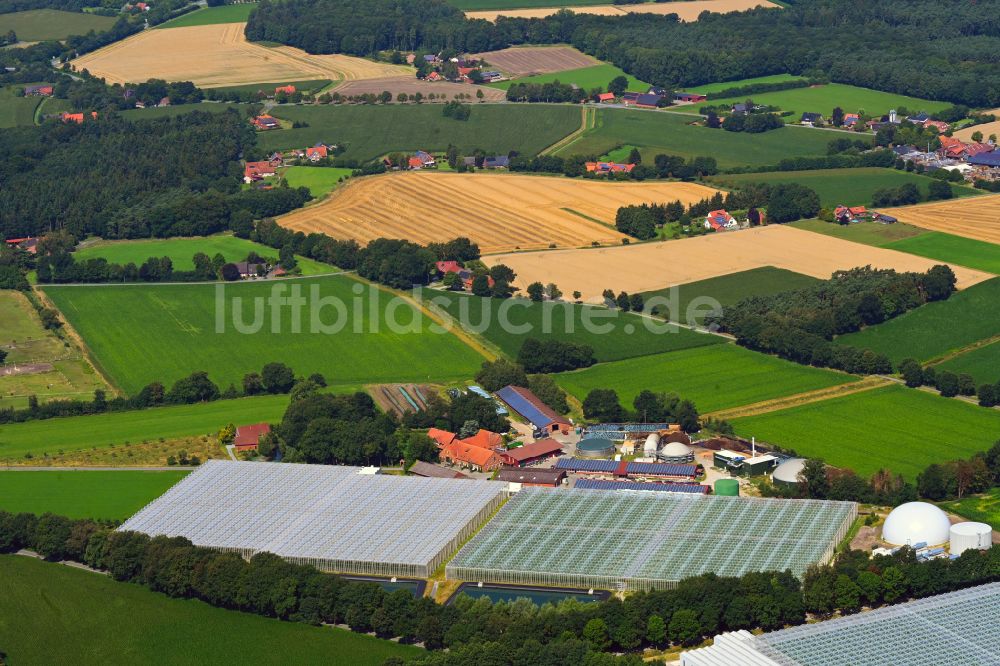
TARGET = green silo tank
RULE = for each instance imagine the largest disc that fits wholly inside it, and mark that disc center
(727, 487)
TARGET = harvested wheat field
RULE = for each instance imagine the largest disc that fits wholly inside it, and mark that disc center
(531, 60)
(443, 90)
(976, 217)
(219, 55)
(686, 11)
(650, 266)
(965, 134)
(500, 212)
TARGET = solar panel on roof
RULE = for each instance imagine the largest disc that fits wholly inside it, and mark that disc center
(584, 465)
(660, 469)
(524, 407)
(601, 484)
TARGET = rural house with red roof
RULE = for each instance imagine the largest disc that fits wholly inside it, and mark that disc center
(608, 167)
(248, 437)
(471, 456)
(316, 153)
(721, 220)
(254, 171)
(288, 90)
(265, 122)
(531, 454)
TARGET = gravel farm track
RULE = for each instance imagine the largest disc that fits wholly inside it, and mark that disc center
(219, 55)
(686, 11)
(974, 217)
(531, 60)
(648, 266)
(500, 212)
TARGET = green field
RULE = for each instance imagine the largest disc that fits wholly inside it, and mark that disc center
(38, 25)
(76, 433)
(587, 78)
(178, 109)
(628, 335)
(371, 131)
(982, 363)
(311, 85)
(897, 428)
(54, 614)
(144, 333)
(953, 249)
(935, 329)
(714, 378)
(850, 187)
(822, 99)
(104, 495)
(984, 508)
(182, 250)
(17, 111)
(211, 16)
(727, 290)
(723, 85)
(319, 180)
(867, 233)
(670, 133)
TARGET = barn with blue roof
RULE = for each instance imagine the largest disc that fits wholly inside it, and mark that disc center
(530, 407)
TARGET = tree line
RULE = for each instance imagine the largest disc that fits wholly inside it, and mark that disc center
(949, 384)
(800, 325)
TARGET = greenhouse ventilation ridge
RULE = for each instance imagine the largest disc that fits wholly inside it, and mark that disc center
(642, 540)
(327, 516)
(954, 628)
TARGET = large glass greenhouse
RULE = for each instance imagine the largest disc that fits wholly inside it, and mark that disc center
(955, 628)
(641, 540)
(334, 518)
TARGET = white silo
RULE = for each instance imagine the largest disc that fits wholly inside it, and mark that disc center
(652, 444)
(968, 536)
(916, 522)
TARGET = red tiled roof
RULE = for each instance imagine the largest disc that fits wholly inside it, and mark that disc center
(416, 162)
(448, 267)
(284, 89)
(542, 447)
(485, 439)
(605, 97)
(442, 437)
(247, 437)
(471, 455)
(317, 150)
(608, 167)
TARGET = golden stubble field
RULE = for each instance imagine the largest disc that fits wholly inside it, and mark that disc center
(219, 55)
(973, 217)
(650, 266)
(686, 11)
(500, 212)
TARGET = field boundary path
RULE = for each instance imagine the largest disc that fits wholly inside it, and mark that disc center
(972, 346)
(588, 119)
(799, 399)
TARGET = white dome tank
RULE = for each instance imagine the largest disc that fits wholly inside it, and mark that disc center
(789, 470)
(676, 452)
(916, 522)
(970, 536)
(651, 445)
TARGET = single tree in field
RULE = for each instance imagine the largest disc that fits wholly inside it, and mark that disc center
(536, 292)
(977, 136)
(552, 291)
(577, 295)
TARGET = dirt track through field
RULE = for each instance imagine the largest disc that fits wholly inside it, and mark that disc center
(650, 266)
(500, 212)
(529, 60)
(445, 90)
(686, 11)
(220, 55)
(973, 217)
(828, 393)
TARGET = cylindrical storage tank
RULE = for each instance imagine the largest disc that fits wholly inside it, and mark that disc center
(788, 471)
(595, 448)
(651, 445)
(916, 522)
(676, 453)
(970, 536)
(727, 487)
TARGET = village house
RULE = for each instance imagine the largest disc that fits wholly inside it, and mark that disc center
(811, 119)
(421, 160)
(693, 98)
(850, 214)
(491, 76)
(489, 162)
(851, 119)
(265, 122)
(648, 101)
(251, 270)
(605, 98)
(28, 244)
(470, 456)
(288, 90)
(254, 171)
(608, 167)
(76, 117)
(531, 454)
(317, 153)
(38, 91)
(248, 437)
(940, 126)
(721, 220)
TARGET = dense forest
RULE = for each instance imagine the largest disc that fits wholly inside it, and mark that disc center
(924, 48)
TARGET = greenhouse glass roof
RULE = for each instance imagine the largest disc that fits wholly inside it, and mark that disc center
(319, 512)
(956, 628)
(647, 539)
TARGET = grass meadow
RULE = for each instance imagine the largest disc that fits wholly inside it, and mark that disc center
(935, 329)
(103, 495)
(319, 180)
(182, 250)
(178, 109)
(100, 621)
(866, 233)
(629, 336)
(822, 99)
(75, 433)
(38, 25)
(714, 378)
(984, 508)
(371, 131)
(144, 333)
(728, 290)
(211, 16)
(850, 187)
(16, 111)
(655, 132)
(597, 76)
(310, 85)
(895, 427)
(723, 85)
(982, 364)
(953, 249)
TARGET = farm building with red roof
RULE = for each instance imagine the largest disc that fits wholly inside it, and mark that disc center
(531, 454)
(531, 408)
(248, 437)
